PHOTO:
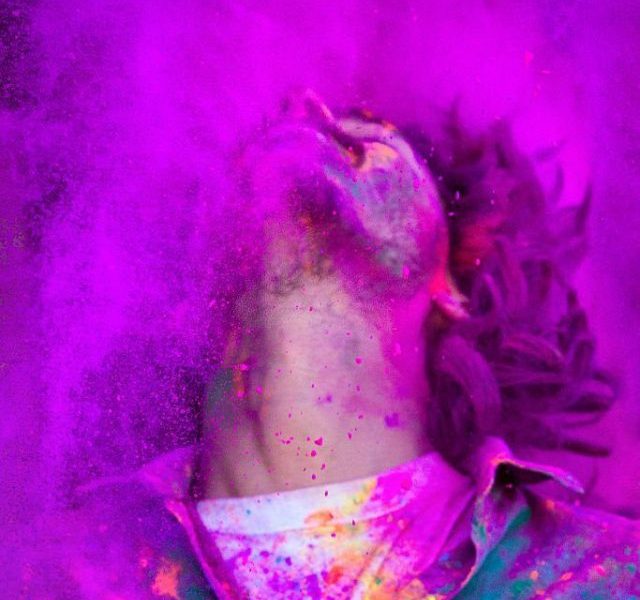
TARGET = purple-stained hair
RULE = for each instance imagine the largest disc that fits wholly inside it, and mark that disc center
(521, 365)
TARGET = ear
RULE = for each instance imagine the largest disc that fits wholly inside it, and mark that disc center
(446, 296)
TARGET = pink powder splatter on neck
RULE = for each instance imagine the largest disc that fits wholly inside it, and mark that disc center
(392, 420)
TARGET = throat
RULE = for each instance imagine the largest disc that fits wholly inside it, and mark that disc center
(335, 391)
(305, 429)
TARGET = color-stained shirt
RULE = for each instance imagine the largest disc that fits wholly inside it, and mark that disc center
(420, 530)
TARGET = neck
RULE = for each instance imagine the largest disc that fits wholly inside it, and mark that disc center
(339, 387)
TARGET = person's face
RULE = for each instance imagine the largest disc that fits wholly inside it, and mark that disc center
(349, 192)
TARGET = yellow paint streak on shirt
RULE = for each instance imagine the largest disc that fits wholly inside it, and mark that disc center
(357, 500)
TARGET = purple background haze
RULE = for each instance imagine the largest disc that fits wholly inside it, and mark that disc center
(116, 119)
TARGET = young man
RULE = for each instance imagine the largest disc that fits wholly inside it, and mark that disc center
(385, 338)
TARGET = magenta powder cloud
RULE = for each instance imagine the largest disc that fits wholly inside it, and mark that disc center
(118, 125)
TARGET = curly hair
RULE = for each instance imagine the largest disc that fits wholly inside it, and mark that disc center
(521, 364)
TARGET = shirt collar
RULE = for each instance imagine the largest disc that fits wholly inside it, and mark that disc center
(499, 503)
(495, 464)
(499, 475)
(169, 475)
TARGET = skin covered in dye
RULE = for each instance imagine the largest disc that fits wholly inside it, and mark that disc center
(327, 379)
(342, 395)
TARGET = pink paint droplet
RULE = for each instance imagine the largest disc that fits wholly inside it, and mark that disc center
(358, 360)
(313, 476)
(313, 453)
(349, 435)
(323, 467)
(326, 493)
(318, 442)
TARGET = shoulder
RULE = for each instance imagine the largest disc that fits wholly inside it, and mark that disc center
(557, 550)
(115, 541)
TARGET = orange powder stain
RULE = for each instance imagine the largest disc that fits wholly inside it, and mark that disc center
(534, 575)
(334, 574)
(166, 581)
(318, 518)
(566, 576)
(414, 590)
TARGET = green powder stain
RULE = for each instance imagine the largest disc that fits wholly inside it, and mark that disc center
(480, 530)
(522, 588)
(490, 581)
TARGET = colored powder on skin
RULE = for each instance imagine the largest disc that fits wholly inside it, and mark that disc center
(392, 420)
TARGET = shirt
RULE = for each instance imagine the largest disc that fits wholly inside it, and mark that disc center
(121, 540)
(364, 538)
